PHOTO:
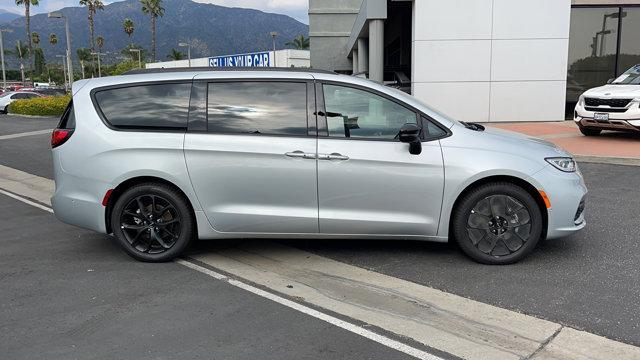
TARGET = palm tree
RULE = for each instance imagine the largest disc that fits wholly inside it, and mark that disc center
(53, 39)
(154, 9)
(100, 43)
(35, 38)
(21, 52)
(84, 54)
(92, 7)
(175, 55)
(27, 15)
(129, 27)
(299, 43)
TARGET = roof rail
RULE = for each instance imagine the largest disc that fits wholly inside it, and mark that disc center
(222, 69)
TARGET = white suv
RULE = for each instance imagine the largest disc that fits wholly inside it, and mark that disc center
(615, 106)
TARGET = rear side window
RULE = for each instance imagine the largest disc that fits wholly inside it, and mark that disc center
(268, 108)
(154, 106)
(68, 119)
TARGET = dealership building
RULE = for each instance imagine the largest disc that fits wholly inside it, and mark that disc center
(480, 60)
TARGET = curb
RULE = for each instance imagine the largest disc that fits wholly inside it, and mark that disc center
(607, 160)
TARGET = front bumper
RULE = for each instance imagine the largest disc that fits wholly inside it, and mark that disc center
(567, 193)
(628, 120)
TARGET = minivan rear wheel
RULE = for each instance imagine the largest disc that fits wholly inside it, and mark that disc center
(497, 223)
(152, 222)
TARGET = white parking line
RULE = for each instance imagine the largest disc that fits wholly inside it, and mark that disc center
(30, 133)
(26, 201)
(439, 320)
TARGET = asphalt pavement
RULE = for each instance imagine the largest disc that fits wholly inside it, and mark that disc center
(66, 292)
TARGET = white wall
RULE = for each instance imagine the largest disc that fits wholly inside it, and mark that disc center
(492, 60)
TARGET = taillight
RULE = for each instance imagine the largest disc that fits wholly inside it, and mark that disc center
(60, 136)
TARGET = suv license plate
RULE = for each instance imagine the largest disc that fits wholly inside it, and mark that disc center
(600, 116)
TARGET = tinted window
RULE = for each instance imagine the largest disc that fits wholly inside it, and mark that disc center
(68, 119)
(354, 113)
(17, 96)
(431, 130)
(146, 106)
(271, 108)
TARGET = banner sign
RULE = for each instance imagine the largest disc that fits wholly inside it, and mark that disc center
(261, 59)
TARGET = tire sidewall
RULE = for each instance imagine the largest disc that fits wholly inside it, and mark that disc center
(469, 201)
(181, 205)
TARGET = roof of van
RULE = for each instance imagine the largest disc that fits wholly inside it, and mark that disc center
(226, 69)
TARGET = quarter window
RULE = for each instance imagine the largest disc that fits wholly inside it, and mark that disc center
(160, 106)
(353, 113)
(268, 108)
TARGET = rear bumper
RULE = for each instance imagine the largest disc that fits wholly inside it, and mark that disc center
(76, 200)
(567, 194)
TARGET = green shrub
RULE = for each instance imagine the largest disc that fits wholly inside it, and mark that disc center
(44, 106)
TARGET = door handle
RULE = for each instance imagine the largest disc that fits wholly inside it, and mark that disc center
(295, 154)
(300, 154)
(333, 156)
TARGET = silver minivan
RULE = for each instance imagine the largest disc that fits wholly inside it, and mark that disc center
(158, 158)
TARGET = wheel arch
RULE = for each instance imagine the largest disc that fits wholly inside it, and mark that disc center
(527, 186)
(127, 184)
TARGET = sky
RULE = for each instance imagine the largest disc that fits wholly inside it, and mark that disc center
(297, 9)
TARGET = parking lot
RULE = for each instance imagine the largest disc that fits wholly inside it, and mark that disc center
(70, 293)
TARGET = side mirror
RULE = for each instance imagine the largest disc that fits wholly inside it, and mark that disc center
(610, 81)
(410, 134)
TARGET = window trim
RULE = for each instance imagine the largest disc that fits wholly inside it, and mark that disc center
(323, 130)
(311, 131)
(105, 121)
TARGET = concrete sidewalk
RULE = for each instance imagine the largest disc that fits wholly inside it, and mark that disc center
(609, 147)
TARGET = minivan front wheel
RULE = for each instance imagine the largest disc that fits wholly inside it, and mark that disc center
(152, 222)
(497, 223)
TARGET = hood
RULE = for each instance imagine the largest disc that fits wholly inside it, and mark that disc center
(615, 91)
(505, 141)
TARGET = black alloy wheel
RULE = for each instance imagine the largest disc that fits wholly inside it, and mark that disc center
(152, 222)
(497, 223)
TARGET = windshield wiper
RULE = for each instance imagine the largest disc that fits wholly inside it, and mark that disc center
(473, 126)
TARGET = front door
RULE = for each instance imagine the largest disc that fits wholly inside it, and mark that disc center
(253, 168)
(368, 182)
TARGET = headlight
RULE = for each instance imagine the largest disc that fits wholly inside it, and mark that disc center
(581, 100)
(565, 164)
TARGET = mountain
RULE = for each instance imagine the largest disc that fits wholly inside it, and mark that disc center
(6, 16)
(211, 29)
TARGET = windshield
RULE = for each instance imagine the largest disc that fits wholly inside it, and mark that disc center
(630, 77)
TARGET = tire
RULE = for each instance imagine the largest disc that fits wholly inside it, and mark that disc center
(497, 223)
(6, 110)
(590, 132)
(153, 236)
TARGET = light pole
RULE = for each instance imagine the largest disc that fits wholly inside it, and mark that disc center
(99, 67)
(273, 38)
(188, 46)
(64, 71)
(58, 15)
(4, 75)
(139, 57)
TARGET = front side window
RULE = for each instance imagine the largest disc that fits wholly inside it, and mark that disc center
(154, 106)
(354, 113)
(268, 108)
